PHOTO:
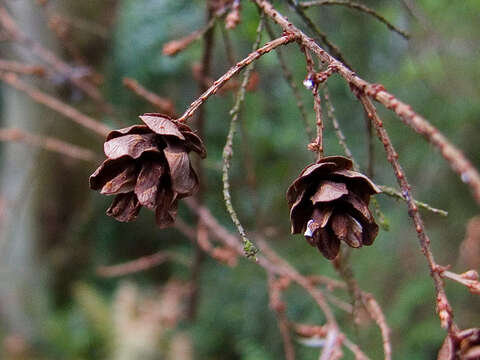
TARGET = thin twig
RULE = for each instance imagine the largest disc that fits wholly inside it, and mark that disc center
(175, 46)
(48, 143)
(142, 264)
(224, 254)
(283, 40)
(331, 346)
(454, 157)
(249, 249)
(317, 106)
(359, 7)
(342, 305)
(468, 279)
(232, 241)
(275, 288)
(387, 190)
(443, 307)
(376, 313)
(364, 299)
(233, 17)
(201, 231)
(317, 32)
(185, 229)
(292, 273)
(342, 140)
(19, 68)
(162, 104)
(381, 219)
(279, 267)
(55, 104)
(287, 74)
(370, 148)
(330, 284)
(229, 51)
(359, 355)
(310, 64)
(343, 268)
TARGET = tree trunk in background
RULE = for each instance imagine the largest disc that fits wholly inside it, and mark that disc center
(43, 194)
(22, 280)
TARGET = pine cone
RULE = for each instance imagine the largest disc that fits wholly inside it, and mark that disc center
(464, 346)
(148, 165)
(329, 202)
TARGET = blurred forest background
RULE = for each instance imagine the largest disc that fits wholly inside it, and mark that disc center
(54, 304)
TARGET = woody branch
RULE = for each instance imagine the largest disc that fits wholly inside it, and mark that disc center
(457, 161)
(233, 71)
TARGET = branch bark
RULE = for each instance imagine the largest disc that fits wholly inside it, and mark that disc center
(457, 161)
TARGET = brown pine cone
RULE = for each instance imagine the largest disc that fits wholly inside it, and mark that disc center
(329, 202)
(148, 165)
(464, 346)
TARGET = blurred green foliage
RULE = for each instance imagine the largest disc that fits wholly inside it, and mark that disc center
(437, 72)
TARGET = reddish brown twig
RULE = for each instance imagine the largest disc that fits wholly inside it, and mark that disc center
(332, 347)
(229, 49)
(224, 254)
(231, 85)
(359, 7)
(275, 288)
(233, 242)
(19, 68)
(48, 143)
(308, 331)
(141, 264)
(330, 284)
(468, 279)
(291, 272)
(287, 74)
(376, 313)
(163, 105)
(173, 47)
(233, 71)
(317, 32)
(202, 231)
(470, 246)
(370, 148)
(339, 303)
(365, 300)
(317, 146)
(55, 104)
(233, 17)
(278, 267)
(386, 190)
(310, 64)
(338, 131)
(185, 229)
(443, 307)
(454, 157)
(359, 355)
